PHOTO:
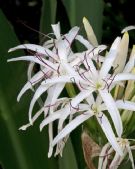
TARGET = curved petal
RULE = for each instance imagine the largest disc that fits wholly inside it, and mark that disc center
(72, 107)
(30, 69)
(35, 48)
(49, 119)
(34, 80)
(117, 160)
(56, 30)
(70, 127)
(128, 28)
(55, 94)
(106, 127)
(84, 42)
(109, 59)
(61, 79)
(104, 156)
(130, 65)
(113, 111)
(41, 61)
(123, 77)
(70, 36)
(40, 90)
(127, 105)
(24, 127)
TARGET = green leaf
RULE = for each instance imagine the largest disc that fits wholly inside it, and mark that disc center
(77, 146)
(68, 159)
(48, 15)
(91, 9)
(18, 149)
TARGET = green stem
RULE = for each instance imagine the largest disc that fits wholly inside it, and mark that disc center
(70, 90)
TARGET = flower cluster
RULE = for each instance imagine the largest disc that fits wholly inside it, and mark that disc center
(99, 83)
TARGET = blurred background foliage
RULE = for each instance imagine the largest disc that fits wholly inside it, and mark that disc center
(19, 22)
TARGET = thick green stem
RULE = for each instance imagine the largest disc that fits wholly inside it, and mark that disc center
(70, 90)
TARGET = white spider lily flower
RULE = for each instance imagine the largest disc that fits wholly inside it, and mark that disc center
(59, 67)
(101, 81)
(107, 153)
(61, 71)
(95, 83)
(87, 110)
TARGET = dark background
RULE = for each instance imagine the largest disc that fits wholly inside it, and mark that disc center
(117, 15)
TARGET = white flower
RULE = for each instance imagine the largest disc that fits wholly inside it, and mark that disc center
(57, 71)
(88, 110)
(93, 108)
(96, 81)
(107, 153)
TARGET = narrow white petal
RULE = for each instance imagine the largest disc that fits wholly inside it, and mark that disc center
(131, 157)
(50, 133)
(109, 59)
(115, 162)
(105, 160)
(48, 100)
(42, 62)
(48, 44)
(128, 28)
(30, 70)
(63, 51)
(70, 127)
(93, 69)
(56, 30)
(56, 92)
(105, 125)
(73, 107)
(83, 107)
(127, 105)
(35, 48)
(84, 42)
(123, 77)
(38, 93)
(61, 79)
(49, 119)
(24, 127)
(130, 65)
(104, 155)
(71, 35)
(113, 111)
(80, 97)
(34, 80)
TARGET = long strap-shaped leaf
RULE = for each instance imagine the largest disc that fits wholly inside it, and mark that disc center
(91, 9)
(18, 150)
